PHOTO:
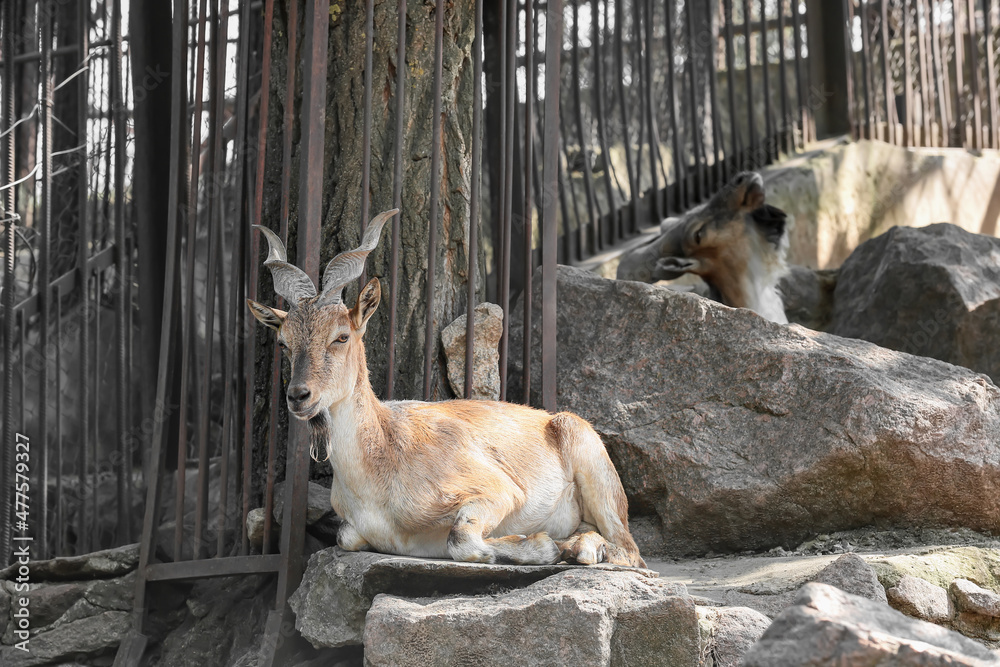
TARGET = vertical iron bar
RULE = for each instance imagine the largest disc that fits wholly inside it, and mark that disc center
(95, 534)
(677, 160)
(639, 85)
(477, 150)
(787, 136)
(593, 221)
(147, 546)
(887, 83)
(769, 151)
(961, 122)
(799, 84)
(977, 110)
(124, 273)
(366, 132)
(598, 103)
(907, 79)
(240, 154)
(83, 254)
(619, 47)
(697, 143)
(991, 81)
(733, 159)
(45, 33)
(865, 70)
(654, 142)
(6, 449)
(435, 185)
(508, 96)
(215, 160)
(527, 188)
(750, 161)
(397, 194)
(252, 269)
(553, 41)
(188, 334)
(317, 17)
(713, 95)
(925, 82)
(59, 540)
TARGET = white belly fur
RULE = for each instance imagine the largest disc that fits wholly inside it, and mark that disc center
(558, 514)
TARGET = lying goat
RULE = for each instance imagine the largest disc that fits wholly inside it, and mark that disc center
(472, 480)
(736, 243)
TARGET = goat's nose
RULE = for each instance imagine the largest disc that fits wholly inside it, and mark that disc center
(298, 392)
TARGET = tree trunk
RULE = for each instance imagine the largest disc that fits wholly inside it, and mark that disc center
(149, 22)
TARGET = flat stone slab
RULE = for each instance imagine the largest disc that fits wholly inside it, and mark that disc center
(338, 587)
(580, 617)
(97, 565)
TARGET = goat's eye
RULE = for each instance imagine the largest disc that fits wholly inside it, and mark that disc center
(342, 338)
(697, 237)
(282, 345)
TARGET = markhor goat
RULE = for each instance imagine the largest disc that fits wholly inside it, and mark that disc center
(474, 481)
(736, 243)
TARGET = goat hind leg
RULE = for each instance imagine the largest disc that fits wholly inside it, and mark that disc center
(467, 540)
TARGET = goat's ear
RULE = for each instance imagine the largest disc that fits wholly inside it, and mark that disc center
(771, 222)
(368, 302)
(269, 317)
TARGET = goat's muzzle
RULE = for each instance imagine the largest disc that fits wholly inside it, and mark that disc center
(300, 401)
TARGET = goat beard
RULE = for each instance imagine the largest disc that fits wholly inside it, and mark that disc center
(319, 435)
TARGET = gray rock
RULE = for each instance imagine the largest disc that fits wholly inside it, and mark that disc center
(581, 618)
(97, 565)
(228, 626)
(975, 610)
(89, 636)
(728, 633)
(969, 597)
(808, 296)
(338, 587)
(827, 626)
(318, 505)
(744, 434)
(851, 574)
(485, 353)
(932, 291)
(255, 526)
(4, 611)
(919, 598)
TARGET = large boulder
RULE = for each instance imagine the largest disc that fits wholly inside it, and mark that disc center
(827, 626)
(584, 617)
(744, 434)
(338, 587)
(932, 291)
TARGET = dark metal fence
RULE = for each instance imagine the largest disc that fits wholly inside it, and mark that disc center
(67, 288)
(923, 72)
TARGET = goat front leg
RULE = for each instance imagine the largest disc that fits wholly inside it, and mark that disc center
(467, 541)
(349, 539)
